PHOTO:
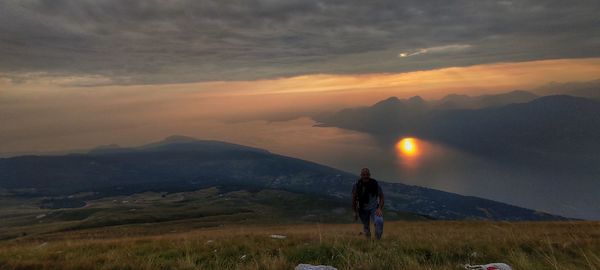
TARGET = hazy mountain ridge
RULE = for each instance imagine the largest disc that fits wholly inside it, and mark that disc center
(408, 115)
(589, 89)
(551, 124)
(170, 168)
(569, 124)
(177, 143)
(454, 101)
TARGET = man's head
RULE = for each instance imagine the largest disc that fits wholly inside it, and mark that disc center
(365, 174)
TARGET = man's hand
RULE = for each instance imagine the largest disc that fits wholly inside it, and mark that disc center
(355, 216)
(378, 212)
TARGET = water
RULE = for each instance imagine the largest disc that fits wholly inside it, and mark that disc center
(416, 162)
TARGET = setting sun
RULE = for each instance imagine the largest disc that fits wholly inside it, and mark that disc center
(407, 146)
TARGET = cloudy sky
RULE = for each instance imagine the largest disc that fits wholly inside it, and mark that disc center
(176, 41)
(87, 72)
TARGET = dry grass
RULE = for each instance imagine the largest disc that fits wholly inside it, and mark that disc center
(406, 245)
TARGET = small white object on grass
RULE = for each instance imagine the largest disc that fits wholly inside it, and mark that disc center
(489, 266)
(278, 236)
(303, 266)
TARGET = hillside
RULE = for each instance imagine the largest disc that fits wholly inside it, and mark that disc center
(173, 167)
(202, 208)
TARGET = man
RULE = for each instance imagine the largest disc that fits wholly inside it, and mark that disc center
(367, 203)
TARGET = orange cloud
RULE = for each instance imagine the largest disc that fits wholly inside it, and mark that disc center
(429, 83)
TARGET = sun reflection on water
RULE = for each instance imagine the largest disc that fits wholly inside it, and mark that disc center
(409, 153)
(408, 147)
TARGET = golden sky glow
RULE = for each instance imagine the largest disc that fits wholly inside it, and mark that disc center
(489, 77)
(56, 113)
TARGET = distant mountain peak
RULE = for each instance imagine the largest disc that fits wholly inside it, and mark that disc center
(395, 102)
(514, 93)
(521, 92)
(388, 101)
(179, 139)
(107, 147)
(178, 143)
(171, 140)
(416, 99)
(455, 96)
(589, 89)
(564, 100)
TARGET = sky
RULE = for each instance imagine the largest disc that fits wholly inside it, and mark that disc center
(74, 74)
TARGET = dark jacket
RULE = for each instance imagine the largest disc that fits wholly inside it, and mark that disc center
(366, 193)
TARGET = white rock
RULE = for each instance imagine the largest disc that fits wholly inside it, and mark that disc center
(278, 236)
(303, 266)
(490, 266)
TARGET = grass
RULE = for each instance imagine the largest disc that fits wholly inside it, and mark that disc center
(202, 208)
(212, 229)
(406, 245)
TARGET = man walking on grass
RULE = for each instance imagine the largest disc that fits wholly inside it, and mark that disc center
(367, 203)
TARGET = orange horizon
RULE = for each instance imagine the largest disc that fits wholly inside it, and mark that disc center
(62, 114)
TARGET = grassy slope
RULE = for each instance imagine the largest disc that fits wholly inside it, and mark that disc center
(406, 245)
(213, 229)
(21, 217)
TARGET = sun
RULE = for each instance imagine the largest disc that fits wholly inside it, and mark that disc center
(407, 146)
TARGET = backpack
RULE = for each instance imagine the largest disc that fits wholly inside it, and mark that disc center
(364, 190)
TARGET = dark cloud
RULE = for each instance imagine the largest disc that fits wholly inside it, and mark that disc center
(131, 42)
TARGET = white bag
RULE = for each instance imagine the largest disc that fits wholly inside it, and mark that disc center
(314, 267)
(490, 266)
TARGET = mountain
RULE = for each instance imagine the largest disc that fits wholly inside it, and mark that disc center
(400, 115)
(589, 89)
(454, 101)
(552, 124)
(177, 143)
(406, 115)
(183, 164)
(548, 147)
